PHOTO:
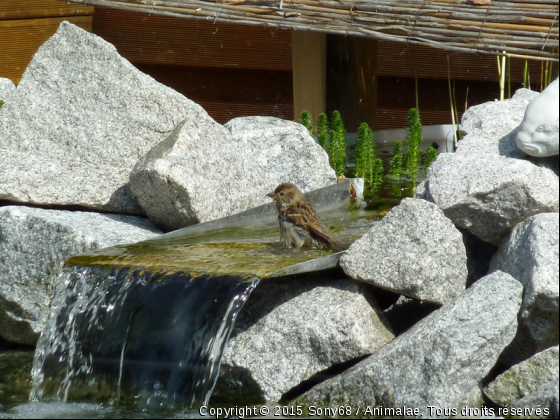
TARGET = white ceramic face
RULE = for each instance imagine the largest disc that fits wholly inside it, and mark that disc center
(538, 134)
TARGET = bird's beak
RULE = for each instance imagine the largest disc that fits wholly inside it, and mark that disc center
(272, 195)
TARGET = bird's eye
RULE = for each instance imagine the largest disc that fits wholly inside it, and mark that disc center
(282, 193)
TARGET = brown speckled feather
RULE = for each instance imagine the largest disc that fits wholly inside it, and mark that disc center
(300, 226)
(309, 220)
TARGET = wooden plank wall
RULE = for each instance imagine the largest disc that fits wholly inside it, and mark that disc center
(26, 24)
(234, 70)
(230, 70)
(475, 79)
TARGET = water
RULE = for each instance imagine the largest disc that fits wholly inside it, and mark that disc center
(130, 336)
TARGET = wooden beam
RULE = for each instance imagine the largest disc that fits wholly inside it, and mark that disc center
(522, 27)
(309, 63)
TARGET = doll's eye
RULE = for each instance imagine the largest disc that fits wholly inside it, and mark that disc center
(540, 128)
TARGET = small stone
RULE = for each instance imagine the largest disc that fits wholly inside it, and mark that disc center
(491, 127)
(204, 171)
(7, 87)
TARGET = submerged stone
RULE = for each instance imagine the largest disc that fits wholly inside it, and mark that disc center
(15, 378)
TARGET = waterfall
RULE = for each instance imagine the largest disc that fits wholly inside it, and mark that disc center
(149, 338)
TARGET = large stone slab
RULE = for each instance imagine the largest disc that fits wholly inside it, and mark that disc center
(79, 120)
(524, 378)
(33, 247)
(530, 254)
(492, 127)
(204, 171)
(414, 250)
(437, 362)
(490, 194)
(288, 332)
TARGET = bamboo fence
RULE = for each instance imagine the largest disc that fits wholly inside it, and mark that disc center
(518, 28)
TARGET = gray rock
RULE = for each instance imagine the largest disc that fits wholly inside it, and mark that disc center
(288, 332)
(492, 127)
(524, 378)
(280, 151)
(79, 120)
(7, 87)
(542, 403)
(439, 360)
(204, 171)
(33, 247)
(530, 254)
(414, 250)
(488, 194)
(471, 405)
(420, 190)
(190, 177)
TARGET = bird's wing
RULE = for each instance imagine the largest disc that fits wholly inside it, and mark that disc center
(310, 221)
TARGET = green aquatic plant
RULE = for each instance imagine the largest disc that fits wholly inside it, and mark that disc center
(430, 157)
(323, 131)
(337, 139)
(550, 73)
(1, 104)
(365, 153)
(377, 175)
(368, 165)
(306, 121)
(453, 104)
(526, 76)
(396, 162)
(414, 141)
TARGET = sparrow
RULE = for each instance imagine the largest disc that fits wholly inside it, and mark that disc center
(300, 225)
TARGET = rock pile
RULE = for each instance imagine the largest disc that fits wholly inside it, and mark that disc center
(86, 130)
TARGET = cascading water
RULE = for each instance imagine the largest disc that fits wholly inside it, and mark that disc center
(144, 325)
(133, 336)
